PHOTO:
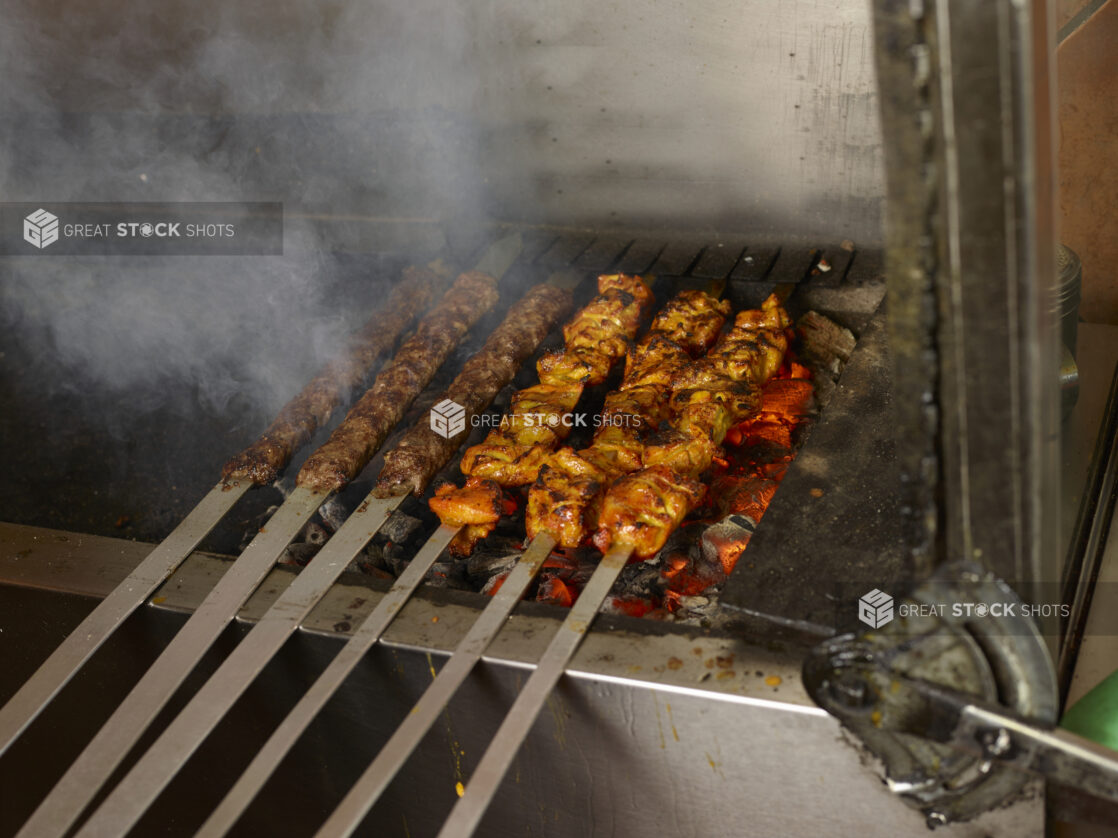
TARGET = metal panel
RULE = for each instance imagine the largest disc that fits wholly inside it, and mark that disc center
(730, 114)
(702, 732)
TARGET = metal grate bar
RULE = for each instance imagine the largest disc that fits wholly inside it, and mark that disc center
(717, 260)
(676, 258)
(603, 253)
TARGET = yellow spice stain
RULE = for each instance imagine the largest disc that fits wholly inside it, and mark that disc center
(459, 788)
(774, 680)
(659, 722)
(875, 717)
(555, 705)
(671, 721)
(159, 600)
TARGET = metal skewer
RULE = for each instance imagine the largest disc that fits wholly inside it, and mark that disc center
(178, 742)
(95, 629)
(111, 612)
(66, 801)
(360, 799)
(72, 794)
(173, 748)
(285, 736)
(482, 786)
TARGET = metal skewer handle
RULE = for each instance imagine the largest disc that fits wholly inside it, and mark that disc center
(360, 799)
(482, 786)
(113, 610)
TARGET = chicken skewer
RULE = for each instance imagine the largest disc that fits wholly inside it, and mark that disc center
(595, 339)
(526, 324)
(471, 295)
(258, 464)
(695, 319)
(747, 351)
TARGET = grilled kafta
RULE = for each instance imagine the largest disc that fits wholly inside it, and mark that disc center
(512, 454)
(357, 439)
(296, 423)
(416, 458)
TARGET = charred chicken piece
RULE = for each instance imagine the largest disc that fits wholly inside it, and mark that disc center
(654, 362)
(573, 367)
(616, 449)
(638, 286)
(642, 408)
(476, 508)
(504, 460)
(599, 333)
(478, 502)
(684, 453)
(642, 509)
(540, 414)
(715, 406)
(771, 316)
(562, 501)
(693, 319)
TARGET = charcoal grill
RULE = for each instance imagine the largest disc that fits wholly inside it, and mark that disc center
(706, 728)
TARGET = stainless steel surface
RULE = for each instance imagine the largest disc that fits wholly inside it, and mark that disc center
(727, 115)
(967, 112)
(131, 797)
(500, 255)
(360, 799)
(486, 779)
(657, 719)
(59, 810)
(264, 763)
(95, 629)
(998, 342)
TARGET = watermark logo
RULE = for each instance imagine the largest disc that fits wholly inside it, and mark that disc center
(875, 609)
(448, 419)
(40, 228)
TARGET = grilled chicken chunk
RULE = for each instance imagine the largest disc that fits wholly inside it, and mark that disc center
(654, 362)
(642, 509)
(693, 320)
(684, 453)
(562, 501)
(476, 507)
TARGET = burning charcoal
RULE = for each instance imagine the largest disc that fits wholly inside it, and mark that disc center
(299, 553)
(447, 575)
(315, 534)
(374, 556)
(639, 579)
(494, 584)
(485, 563)
(629, 606)
(724, 542)
(333, 514)
(400, 526)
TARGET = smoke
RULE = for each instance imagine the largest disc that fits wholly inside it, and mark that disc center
(309, 104)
